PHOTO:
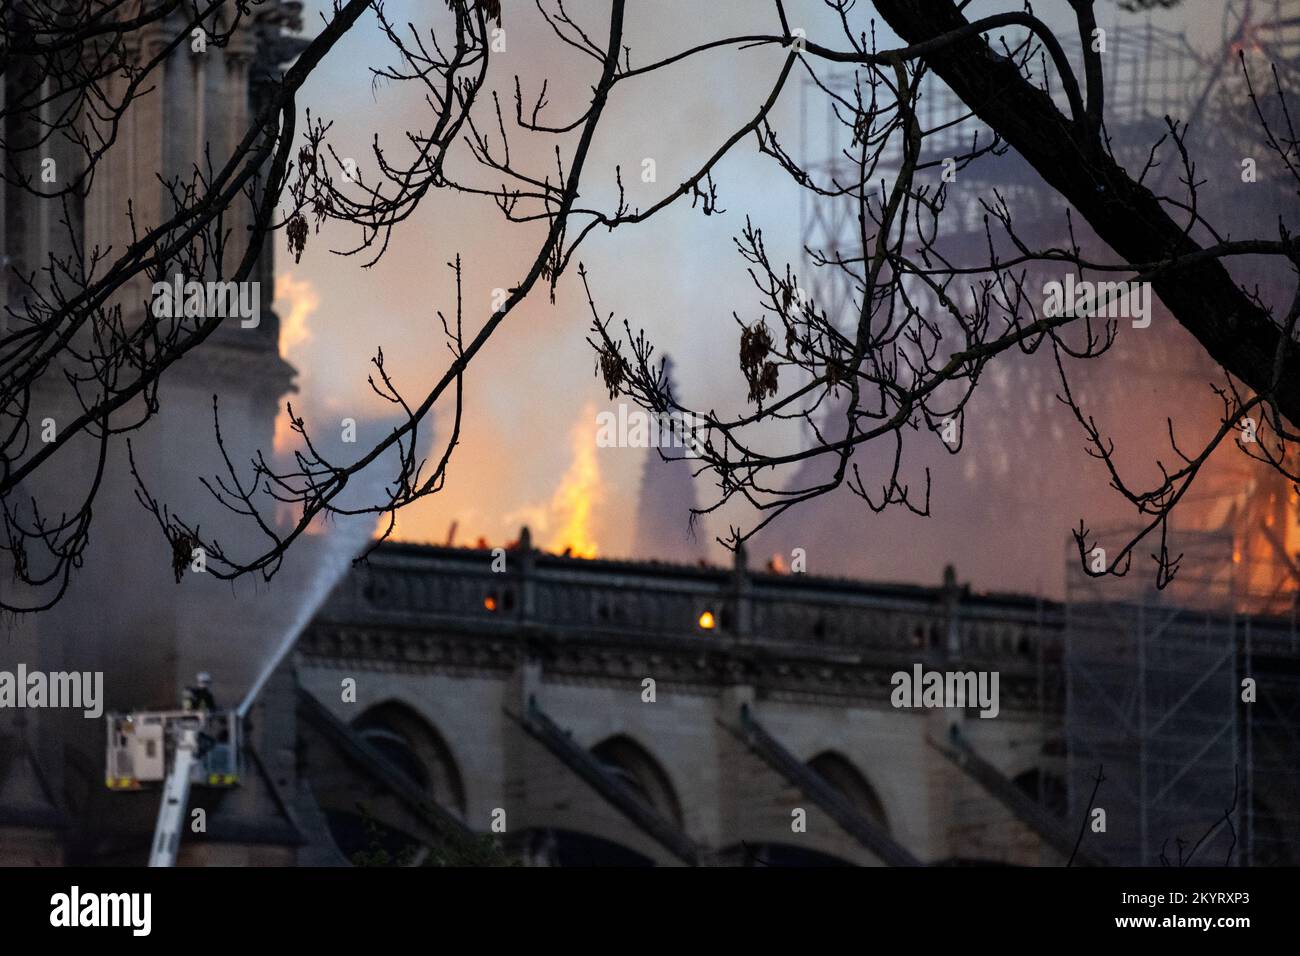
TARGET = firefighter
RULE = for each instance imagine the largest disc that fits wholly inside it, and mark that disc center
(200, 696)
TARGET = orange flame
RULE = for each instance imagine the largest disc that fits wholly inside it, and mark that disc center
(565, 523)
(579, 493)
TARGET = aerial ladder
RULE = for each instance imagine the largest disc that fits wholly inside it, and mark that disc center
(198, 745)
(195, 746)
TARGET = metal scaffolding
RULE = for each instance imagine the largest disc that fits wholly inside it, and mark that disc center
(1152, 701)
(1270, 656)
(1150, 73)
(1154, 677)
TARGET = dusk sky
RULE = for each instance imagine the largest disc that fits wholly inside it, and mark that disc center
(531, 396)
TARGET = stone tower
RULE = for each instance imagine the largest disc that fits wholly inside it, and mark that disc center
(123, 614)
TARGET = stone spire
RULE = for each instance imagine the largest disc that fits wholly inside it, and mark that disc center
(663, 531)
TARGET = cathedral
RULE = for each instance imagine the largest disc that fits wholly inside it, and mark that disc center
(433, 711)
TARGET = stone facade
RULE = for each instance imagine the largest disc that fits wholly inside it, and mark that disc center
(465, 655)
(438, 633)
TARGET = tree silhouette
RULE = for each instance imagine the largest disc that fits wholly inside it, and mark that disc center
(926, 325)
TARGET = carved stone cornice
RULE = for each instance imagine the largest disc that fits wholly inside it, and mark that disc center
(614, 623)
(805, 674)
(257, 369)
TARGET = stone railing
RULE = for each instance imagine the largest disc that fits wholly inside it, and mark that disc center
(420, 586)
(423, 586)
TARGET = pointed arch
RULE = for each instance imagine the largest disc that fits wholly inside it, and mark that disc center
(1047, 789)
(840, 773)
(561, 847)
(779, 854)
(415, 747)
(637, 768)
